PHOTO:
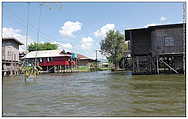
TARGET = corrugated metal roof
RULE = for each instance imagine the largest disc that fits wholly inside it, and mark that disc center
(156, 26)
(82, 57)
(45, 53)
(13, 39)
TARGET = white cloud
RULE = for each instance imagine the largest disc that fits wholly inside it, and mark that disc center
(150, 25)
(86, 43)
(15, 33)
(64, 46)
(163, 19)
(67, 46)
(69, 28)
(103, 30)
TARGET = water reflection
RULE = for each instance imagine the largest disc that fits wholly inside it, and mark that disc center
(95, 94)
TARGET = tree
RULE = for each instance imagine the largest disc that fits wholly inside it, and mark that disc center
(42, 46)
(114, 47)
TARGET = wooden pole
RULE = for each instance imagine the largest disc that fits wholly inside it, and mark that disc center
(133, 64)
(184, 37)
(157, 66)
(137, 63)
(169, 66)
(150, 64)
(96, 60)
(47, 68)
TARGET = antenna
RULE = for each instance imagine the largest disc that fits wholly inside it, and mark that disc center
(27, 27)
(38, 33)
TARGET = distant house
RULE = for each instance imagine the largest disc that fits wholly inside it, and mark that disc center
(157, 49)
(83, 60)
(50, 60)
(56, 60)
(10, 56)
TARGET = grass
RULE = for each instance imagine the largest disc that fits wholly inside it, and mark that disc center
(86, 68)
(83, 68)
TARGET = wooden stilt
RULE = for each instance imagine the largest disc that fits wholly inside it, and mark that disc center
(133, 65)
(157, 66)
(137, 64)
(54, 68)
(150, 61)
(47, 68)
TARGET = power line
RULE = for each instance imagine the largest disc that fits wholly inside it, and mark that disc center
(32, 27)
(38, 30)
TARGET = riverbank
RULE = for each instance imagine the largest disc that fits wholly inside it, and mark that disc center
(79, 69)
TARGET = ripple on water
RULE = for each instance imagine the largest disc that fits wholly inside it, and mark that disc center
(95, 94)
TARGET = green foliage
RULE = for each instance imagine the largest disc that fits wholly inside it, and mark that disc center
(93, 66)
(30, 71)
(114, 47)
(83, 68)
(42, 46)
(90, 67)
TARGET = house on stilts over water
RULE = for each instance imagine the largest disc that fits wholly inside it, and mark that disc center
(10, 56)
(51, 60)
(157, 49)
(56, 60)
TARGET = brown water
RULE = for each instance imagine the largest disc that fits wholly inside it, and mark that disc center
(95, 94)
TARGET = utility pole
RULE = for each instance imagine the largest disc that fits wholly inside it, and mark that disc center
(96, 59)
(27, 28)
(184, 36)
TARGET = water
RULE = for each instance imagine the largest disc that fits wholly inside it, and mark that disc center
(95, 94)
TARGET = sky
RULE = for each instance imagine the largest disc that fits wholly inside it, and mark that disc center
(79, 27)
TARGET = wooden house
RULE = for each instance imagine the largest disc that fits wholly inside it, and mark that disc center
(56, 60)
(50, 60)
(10, 56)
(157, 49)
(84, 61)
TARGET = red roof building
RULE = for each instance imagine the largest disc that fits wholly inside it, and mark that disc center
(83, 60)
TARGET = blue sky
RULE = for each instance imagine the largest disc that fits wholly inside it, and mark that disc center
(79, 27)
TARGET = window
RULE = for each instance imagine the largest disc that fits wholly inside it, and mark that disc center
(9, 53)
(14, 56)
(169, 41)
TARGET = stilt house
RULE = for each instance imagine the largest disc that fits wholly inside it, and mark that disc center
(157, 49)
(56, 60)
(10, 56)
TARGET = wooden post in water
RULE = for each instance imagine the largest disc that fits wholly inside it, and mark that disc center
(137, 63)
(133, 64)
(157, 66)
(150, 66)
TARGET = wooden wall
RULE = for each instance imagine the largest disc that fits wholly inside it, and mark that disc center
(159, 40)
(140, 42)
(10, 51)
